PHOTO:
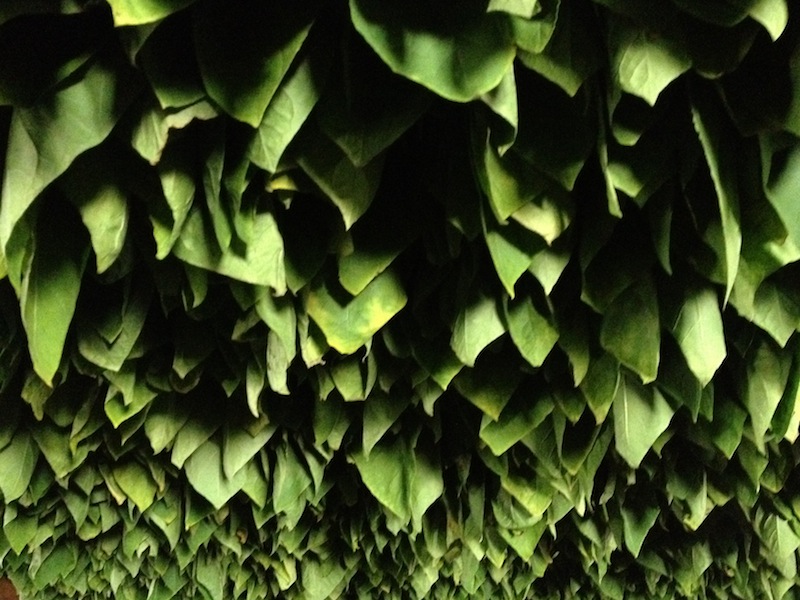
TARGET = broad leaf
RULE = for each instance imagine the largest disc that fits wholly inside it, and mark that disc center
(46, 137)
(456, 50)
(17, 463)
(136, 482)
(478, 324)
(49, 294)
(631, 330)
(204, 470)
(268, 34)
(641, 414)
(698, 330)
(350, 322)
(139, 12)
(262, 262)
(532, 334)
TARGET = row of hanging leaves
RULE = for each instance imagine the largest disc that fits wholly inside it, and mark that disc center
(382, 299)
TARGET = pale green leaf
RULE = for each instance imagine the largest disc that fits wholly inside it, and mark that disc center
(518, 419)
(380, 413)
(49, 294)
(638, 519)
(137, 483)
(206, 475)
(287, 111)
(139, 12)
(290, 480)
(261, 264)
(646, 63)
(350, 322)
(772, 14)
(766, 376)
(478, 324)
(17, 463)
(699, 333)
(533, 34)
(47, 136)
(521, 8)
(532, 334)
(641, 415)
(456, 50)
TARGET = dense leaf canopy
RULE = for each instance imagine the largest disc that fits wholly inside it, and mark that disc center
(400, 299)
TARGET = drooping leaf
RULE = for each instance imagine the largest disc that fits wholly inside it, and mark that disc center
(641, 414)
(718, 147)
(646, 63)
(49, 294)
(46, 137)
(269, 35)
(205, 472)
(532, 334)
(698, 330)
(288, 109)
(466, 57)
(765, 380)
(136, 12)
(262, 262)
(350, 322)
(17, 463)
(478, 324)
(136, 482)
(631, 330)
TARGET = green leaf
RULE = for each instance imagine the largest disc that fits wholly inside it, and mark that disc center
(137, 483)
(401, 478)
(521, 8)
(262, 262)
(512, 248)
(350, 188)
(532, 334)
(478, 324)
(631, 330)
(698, 331)
(719, 147)
(532, 493)
(569, 58)
(780, 158)
(204, 470)
(521, 416)
(456, 50)
(638, 518)
(49, 294)
(46, 137)
(645, 62)
(139, 12)
(268, 34)
(641, 415)
(288, 110)
(350, 322)
(781, 544)
(366, 107)
(491, 384)
(92, 186)
(765, 380)
(772, 14)
(600, 385)
(533, 34)
(17, 463)
(380, 413)
(290, 482)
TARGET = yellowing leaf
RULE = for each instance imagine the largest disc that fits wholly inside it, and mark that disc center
(350, 322)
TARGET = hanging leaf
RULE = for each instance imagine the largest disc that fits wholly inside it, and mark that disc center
(49, 294)
(17, 463)
(350, 322)
(698, 331)
(269, 35)
(718, 146)
(204, 470)
(631, 330)
(466, 58)
(641, 414)
(136, 12)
